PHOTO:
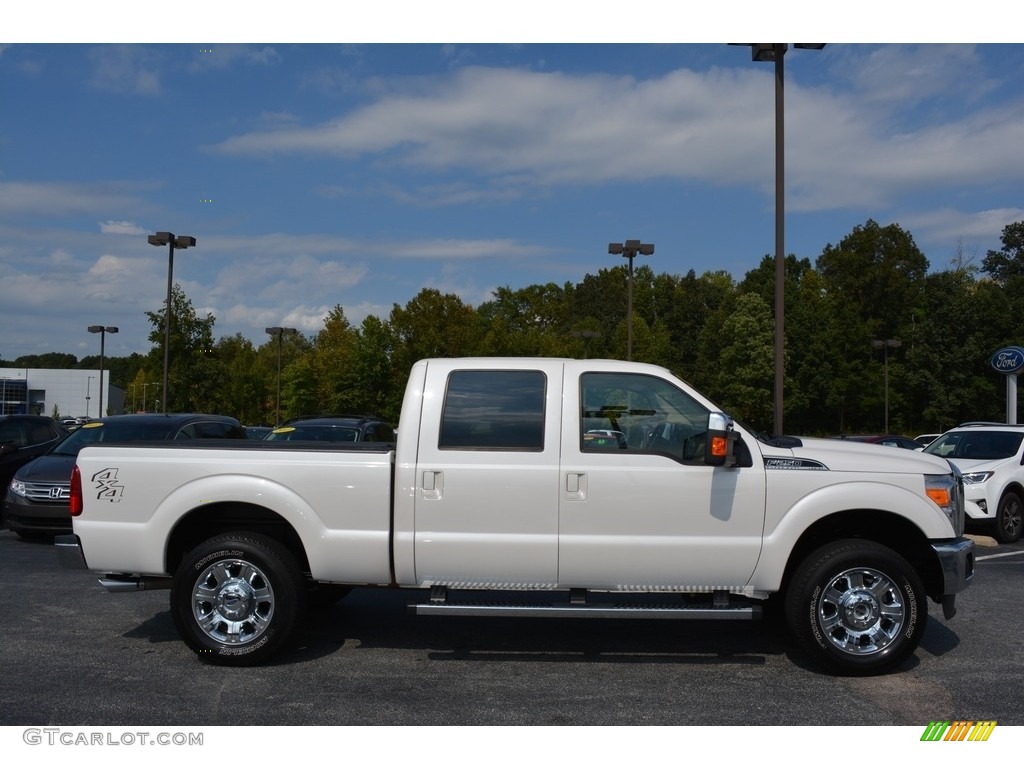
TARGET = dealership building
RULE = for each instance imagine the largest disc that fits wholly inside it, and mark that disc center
(70, 392)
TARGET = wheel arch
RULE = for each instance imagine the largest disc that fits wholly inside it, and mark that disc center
(879, 526)
(217, 518)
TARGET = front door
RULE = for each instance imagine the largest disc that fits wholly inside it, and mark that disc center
(639, 508)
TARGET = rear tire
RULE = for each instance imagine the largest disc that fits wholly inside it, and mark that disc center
(1009, 518)
(236, 599)
(858, 607)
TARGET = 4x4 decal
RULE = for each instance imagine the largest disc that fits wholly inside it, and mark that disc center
(107, 485)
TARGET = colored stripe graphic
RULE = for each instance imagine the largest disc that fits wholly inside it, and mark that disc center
(958, 730)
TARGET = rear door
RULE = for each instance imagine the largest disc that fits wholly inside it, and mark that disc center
(486, 497)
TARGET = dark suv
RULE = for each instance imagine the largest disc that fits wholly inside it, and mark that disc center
(37, 498)
(23, 438)
(335, 429)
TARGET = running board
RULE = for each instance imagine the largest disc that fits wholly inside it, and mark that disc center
(719, 606)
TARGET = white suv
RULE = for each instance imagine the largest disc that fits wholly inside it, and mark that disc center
(991, 458)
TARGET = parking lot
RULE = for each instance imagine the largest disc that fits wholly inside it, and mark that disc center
(74, 654)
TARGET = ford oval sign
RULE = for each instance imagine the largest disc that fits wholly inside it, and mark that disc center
(1008, 360)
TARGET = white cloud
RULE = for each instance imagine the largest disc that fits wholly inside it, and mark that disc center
(121, 228)
(125, 69)
(61, 198)
(225, 55)
(518, 130)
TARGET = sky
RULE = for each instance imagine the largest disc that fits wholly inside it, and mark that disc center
(316, 173)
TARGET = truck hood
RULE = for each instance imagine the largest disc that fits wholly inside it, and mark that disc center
(852, 456)
(53, 468)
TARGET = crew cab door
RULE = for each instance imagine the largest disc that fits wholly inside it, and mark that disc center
(486, 496)
(639, 508)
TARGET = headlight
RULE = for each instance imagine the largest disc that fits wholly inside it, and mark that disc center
(18, 487)
(973, 478)
(947, 492)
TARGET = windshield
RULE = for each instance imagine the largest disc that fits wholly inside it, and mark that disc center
(987, 445)
(112, 431)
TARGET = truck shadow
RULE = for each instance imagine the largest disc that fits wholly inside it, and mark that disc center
(375, 619)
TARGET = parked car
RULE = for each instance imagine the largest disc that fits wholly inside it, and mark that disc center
(36, 503)
(927, 438)
(335, 429)
(23, 438)
(990, 456)
(257, 432)
(894, 441)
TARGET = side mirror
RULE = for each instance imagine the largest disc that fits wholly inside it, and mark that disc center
(718, 450)
(8, 448)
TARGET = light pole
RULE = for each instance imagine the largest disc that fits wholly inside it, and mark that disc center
(88, 386)
(630, 250)
(776, 52)
(279, 332)
(885, 345)
(181, 242)
(144, 385)
(102, 330)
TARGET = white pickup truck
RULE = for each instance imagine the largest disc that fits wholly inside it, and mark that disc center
(534, 487)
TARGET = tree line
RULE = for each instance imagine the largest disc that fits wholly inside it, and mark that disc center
(712, 330)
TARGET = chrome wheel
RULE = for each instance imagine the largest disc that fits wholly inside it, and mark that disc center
(233, 602)
(857, 606)
(861, 611)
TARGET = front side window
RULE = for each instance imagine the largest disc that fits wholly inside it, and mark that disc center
(494, 410)
(638, 413)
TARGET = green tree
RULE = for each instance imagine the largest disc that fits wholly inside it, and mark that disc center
(54, 360)
(1008, 261)
(433, 324)
(872, 282)
(332, 365)
(193, 372)
(531, 321)
(743, 378)
(244, 390)
(378, 385)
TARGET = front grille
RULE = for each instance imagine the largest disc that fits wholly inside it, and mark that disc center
(48, 493)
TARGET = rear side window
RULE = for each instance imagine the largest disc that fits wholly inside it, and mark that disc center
(494, 411)
(211, 430)
(379, 433)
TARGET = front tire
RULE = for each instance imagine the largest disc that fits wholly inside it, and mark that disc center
(1009, 518)
(858, 607)
(236, 599)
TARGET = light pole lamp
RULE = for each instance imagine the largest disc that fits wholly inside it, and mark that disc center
(630, 250)
(181, 242)
(279, 332)
(886, 345)
(776, 52)
(102, 330)
(586, 336)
